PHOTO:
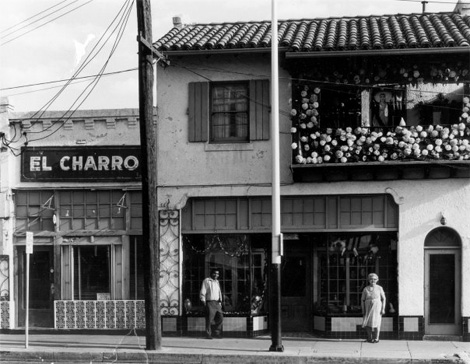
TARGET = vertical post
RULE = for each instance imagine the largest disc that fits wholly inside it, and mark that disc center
(26, 322)
(275, 289)
(148, 137)
(28, 251)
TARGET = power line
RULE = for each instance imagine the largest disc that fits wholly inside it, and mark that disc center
(40, 26)
(122, 23)
(67, 79)
(126, 9)
(31, 23)
(31, 17)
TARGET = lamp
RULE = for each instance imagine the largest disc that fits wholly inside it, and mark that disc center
(443, 219)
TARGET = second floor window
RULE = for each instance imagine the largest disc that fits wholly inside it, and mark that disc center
(229, 112)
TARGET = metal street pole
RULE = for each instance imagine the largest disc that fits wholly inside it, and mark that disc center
(275, 289)
(148, 137)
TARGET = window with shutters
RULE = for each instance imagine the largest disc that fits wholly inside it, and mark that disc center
(229, 112)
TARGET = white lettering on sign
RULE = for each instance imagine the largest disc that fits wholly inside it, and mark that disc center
(89, 163)
(103, 163)
(39, 164)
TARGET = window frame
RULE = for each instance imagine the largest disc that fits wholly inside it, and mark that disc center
(232, 125)
(199, 111)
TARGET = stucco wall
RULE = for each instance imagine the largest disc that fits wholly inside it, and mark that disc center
(201, 163)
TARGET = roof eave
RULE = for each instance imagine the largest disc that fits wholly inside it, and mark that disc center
(378, 52)
(206, 52)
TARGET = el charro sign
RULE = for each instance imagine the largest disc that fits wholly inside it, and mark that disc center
(80, 164)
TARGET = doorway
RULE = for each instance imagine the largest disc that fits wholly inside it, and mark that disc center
(296, 288)
(41, 287)
(442, 288)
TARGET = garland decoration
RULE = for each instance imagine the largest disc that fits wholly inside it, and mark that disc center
(231, 245)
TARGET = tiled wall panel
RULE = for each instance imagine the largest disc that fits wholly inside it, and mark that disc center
(111, 314)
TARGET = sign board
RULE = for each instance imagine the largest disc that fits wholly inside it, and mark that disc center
(86, 164)
(29, 242)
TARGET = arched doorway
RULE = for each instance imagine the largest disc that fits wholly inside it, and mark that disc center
(442, 292)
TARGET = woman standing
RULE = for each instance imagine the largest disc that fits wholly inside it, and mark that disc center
(373, 307)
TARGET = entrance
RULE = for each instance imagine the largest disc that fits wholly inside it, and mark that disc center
(41, 283)
(296, 288)
(442, 284)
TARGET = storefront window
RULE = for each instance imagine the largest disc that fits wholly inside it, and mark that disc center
(34, 210)
(345, 260)
(92, 210)
(241, 262)
(92, 272)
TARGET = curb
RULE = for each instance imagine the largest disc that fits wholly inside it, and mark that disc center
(166, 357)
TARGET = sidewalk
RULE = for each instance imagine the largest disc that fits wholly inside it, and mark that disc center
(70, 348)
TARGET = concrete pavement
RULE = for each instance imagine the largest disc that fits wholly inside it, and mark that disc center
(130, 348)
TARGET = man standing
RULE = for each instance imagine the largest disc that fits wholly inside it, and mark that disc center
(211, 297)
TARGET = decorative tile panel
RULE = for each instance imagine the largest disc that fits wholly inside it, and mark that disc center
(100, 315)
(59, 314)
(110, 314)
(5, 315)
(70, 314)
(90, 317)
(130, 314)
(140, 314)
(169, 262)
(120, 315)
(80, 316)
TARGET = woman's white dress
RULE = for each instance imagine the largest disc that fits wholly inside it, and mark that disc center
(373, 306)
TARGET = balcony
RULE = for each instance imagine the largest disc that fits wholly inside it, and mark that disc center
(364, 154)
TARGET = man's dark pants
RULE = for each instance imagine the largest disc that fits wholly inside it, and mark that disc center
(214, 318)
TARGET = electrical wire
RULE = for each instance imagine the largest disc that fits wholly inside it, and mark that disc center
(66, 79)
(41, 25)
(33, 22)
(37, 115)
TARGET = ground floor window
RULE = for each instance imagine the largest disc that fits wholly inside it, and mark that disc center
(345, 260)
(241, 260)
(92, 272)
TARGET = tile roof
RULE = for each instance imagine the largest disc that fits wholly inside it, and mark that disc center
(398, 31)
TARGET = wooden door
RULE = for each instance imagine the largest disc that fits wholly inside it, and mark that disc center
(442, 292)
(41, 287)
(296, 288)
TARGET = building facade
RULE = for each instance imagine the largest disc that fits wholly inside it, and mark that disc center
(73, 182)
(374, 164)
(375, 177)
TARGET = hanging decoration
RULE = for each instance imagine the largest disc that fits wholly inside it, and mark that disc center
(231, 245)
(313, 145)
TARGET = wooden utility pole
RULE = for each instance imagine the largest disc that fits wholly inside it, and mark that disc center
(148, 139)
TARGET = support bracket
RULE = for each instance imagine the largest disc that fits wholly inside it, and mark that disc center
(155, 52)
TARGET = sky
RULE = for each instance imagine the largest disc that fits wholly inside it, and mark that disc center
(46, 41)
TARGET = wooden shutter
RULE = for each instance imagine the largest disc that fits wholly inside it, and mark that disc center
(259, 110)
(198, 111)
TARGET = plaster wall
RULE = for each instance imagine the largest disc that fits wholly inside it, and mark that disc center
(201, 163)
